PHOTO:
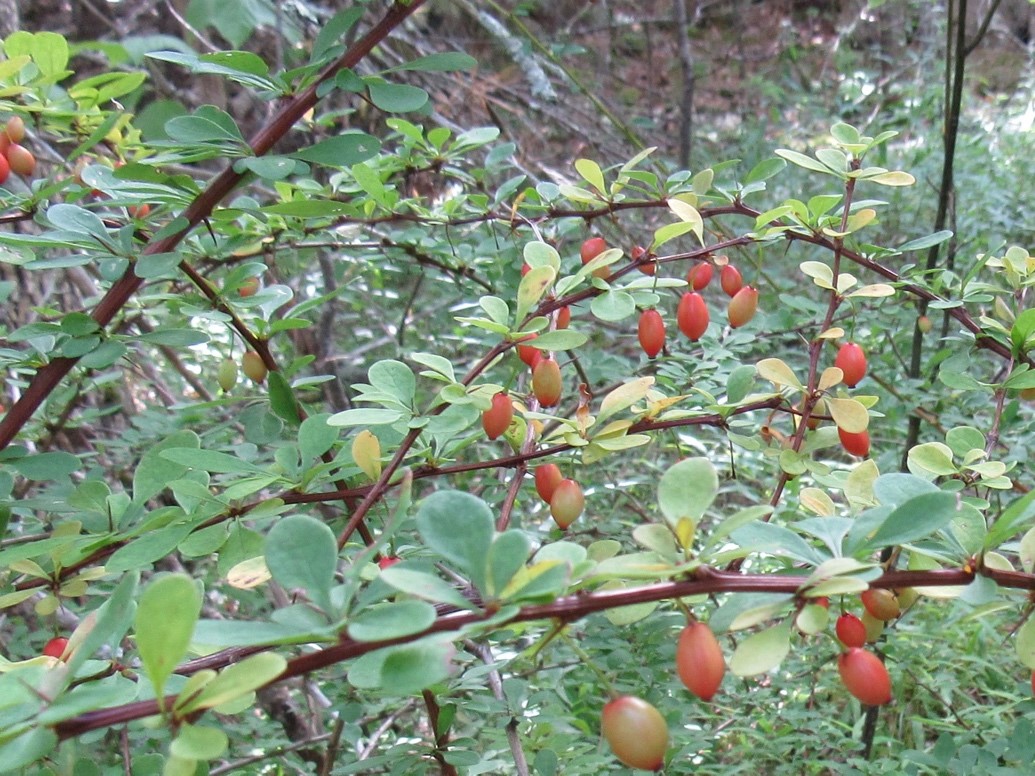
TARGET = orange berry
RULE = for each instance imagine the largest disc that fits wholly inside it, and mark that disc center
(563, 317)
(865, 676)
(250, 287)
(139, 211)
(21, 160)
(547, 477)
(56, 647)
(692, 316)
(592, 248)
(527, 353)
(15, 129)
(636, 732)
(496, 419)
(546, 382)
(700, 275)
(742, 306)
(856, 444)
(646, 267)
(699, 660)
(651, 332)
(850, 630)
(852, 362)
(566, 503)
(731, 280)
(881, 603)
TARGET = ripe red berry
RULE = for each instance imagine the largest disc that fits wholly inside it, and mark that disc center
(249, 287)
(141, 211)
(647, 267)
(850, 630)
(881, 603)
(731, 280)
(387, 560)
(5, 169)
(699, 660)
(700, 275)
(525, 268)
(566, 503)
(692, 316)
(856, 444)
(852, 362)
(636, 732)
(742, 306)
(55, 647)
(592, 248)
(21, 160)
(527, 353)
(496, 419)
(563, 317)
(651, 332)
(546, 382)
(547, 477)
(865, 676)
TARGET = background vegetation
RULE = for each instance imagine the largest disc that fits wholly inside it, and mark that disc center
(220, 542)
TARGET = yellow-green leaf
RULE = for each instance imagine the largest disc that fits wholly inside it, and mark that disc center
(624, 396)
(366, 452)
(777, 372)
(848, 414)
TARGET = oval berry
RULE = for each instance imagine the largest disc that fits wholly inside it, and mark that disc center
(865, 676)
(563, 317)
(700, 275)
(731, 280)
(742, 306)
(850, 630)
(646, 267)
(881, 603)
(567, 503)
(55, 647)
(856, 444)
(699, 660)
(253, 367)
(636, 732)
(546, 382)
(651, 332)
(852, 362)
(692, 316)
(496, 419)
(226, 375)
(527, 353)
(547, 477)
(248, 287)
(21, 160)
(5, 169)
(592, 248)
(15, 129)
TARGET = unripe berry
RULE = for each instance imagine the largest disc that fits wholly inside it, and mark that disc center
(527, 353)
(226, 375)
(874, 627)
(651, 332)
(742, 306)
(856, 444)
(881, 603)
(865, 676)
(566, 503)
(15, 129)
(700, 275)
(546, 382)
(850, 630)
(699, 660)
(924, 324)
(692, 316)
(496, 419)
(636, 732)
(253, 366)
(21, 160)
(55, 647)
(547, 477)
(852, 362)
(731, 280)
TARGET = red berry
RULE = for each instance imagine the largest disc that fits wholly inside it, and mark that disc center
(525, 268)
(55, 647)
(547, 477)
(852, 362)
(742, 306)
(731, 280)
(881, 603)
(527, 353)
(592, 248)
(141, 211)
(850, 630)
(651, 332)
(21, 160)
(646, 267)
(249, 287)
(856, 444)
(700, 275)
(546, 382)
(566, 503)
(699, 660)
(5, 169)
(636, 731)
(496, 419)
(692, 316)
(387, 560)
(563, 317)
(865, 676)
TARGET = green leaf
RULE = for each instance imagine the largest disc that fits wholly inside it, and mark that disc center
(302, 552)
(210, 461)
(613, 306)
(442, 62)
(208, 125)
(194, 742)
(507, 555)
(27, 748)
(559, 339)
(1025, 644)
(342, 151)
(687, 489)
(165, 619)
(762, 651)
(365, 417)
(929, 241)
(459, 527)
(533, 285)
(282, 398)
(155, 472)
(806, 162)
(272, 168)
(392, 620)
(396, 98)
(930, 460)
(425, 586)
(917, 518)
(45, 466)
(592, 174)
(78, 220)
(236, 680)
(407, 669)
